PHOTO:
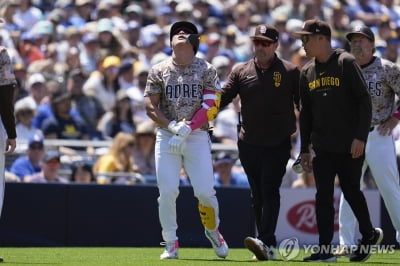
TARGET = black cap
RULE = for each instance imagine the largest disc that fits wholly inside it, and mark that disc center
(314, 26)
(363, 30)
(186, 26)
(189, 28)
(266, 32)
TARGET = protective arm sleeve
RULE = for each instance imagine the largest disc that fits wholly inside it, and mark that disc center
(209, 110)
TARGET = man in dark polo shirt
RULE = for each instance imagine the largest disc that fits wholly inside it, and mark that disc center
(269, 89)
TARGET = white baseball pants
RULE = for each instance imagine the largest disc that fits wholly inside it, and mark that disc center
(3, 138)
(380, 157)
(195, 157)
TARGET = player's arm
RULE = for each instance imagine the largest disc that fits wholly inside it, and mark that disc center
(208, 111)
(153, 111)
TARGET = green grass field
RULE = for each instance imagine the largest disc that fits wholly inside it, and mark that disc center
(150, 256)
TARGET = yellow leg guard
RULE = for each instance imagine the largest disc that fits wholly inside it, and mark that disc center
(207, 216)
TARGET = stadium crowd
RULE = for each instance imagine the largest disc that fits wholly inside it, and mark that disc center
(81, 65)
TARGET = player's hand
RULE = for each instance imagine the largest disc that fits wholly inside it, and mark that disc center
(357, 148)
(306, 162)
(173, 126)
(175, 143)
(11, 144)
(184, 129)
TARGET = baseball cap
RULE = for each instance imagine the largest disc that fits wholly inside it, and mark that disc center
(189, 28)
(111, 60)
(36, 138)
(220, 61)
(223, 157)
(26, 103)
(59, 96)
(51, 155)
(266, 32)
(182, 25)
(35, 78)
(105, 25)
(314, 26)
(363, 30)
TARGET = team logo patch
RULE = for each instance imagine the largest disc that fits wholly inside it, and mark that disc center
(277, 78)
(263, 29)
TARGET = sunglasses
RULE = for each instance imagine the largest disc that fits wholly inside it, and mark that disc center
(304, 38)
(262, 43)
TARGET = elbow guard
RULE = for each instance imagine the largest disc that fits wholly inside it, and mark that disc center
(211, 103)
(209, 110)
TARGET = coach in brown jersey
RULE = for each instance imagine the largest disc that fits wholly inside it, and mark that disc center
(268, 89)
(335, 118)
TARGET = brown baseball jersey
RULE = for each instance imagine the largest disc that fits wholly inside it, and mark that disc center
(181, 90)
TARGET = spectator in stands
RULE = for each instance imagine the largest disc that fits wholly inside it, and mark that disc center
(126, 76)
(63, 125)
(136, 93)
(50, 170)
(27, 14)
(226, 123)
(7, 12)
(119, 118)
(103, 83)
(224, 176)
(88, 106)
(117, 164)
(25, 110)
(36, 86)
(32, 162)
(143, 152)
(89, 52)
(108, 41)
(82, 172)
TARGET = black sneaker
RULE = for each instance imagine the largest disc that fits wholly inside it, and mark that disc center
(363, 250)
(318, 257)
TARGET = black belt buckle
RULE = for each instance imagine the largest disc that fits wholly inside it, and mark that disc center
(371, 129)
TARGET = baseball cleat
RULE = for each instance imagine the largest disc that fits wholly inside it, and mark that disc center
(171, 250)
(259, 249)
(217, 242)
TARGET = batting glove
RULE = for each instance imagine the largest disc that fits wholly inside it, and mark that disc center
(175, 143)
(182, 133)
(173, 126)
(184, 129)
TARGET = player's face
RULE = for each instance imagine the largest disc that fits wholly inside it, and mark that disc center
(264, 49)
(361, 46)
(180, 38)
(310, 44)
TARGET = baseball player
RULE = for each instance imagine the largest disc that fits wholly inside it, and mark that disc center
(8, 133)
(383, 80)
(182, 94)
